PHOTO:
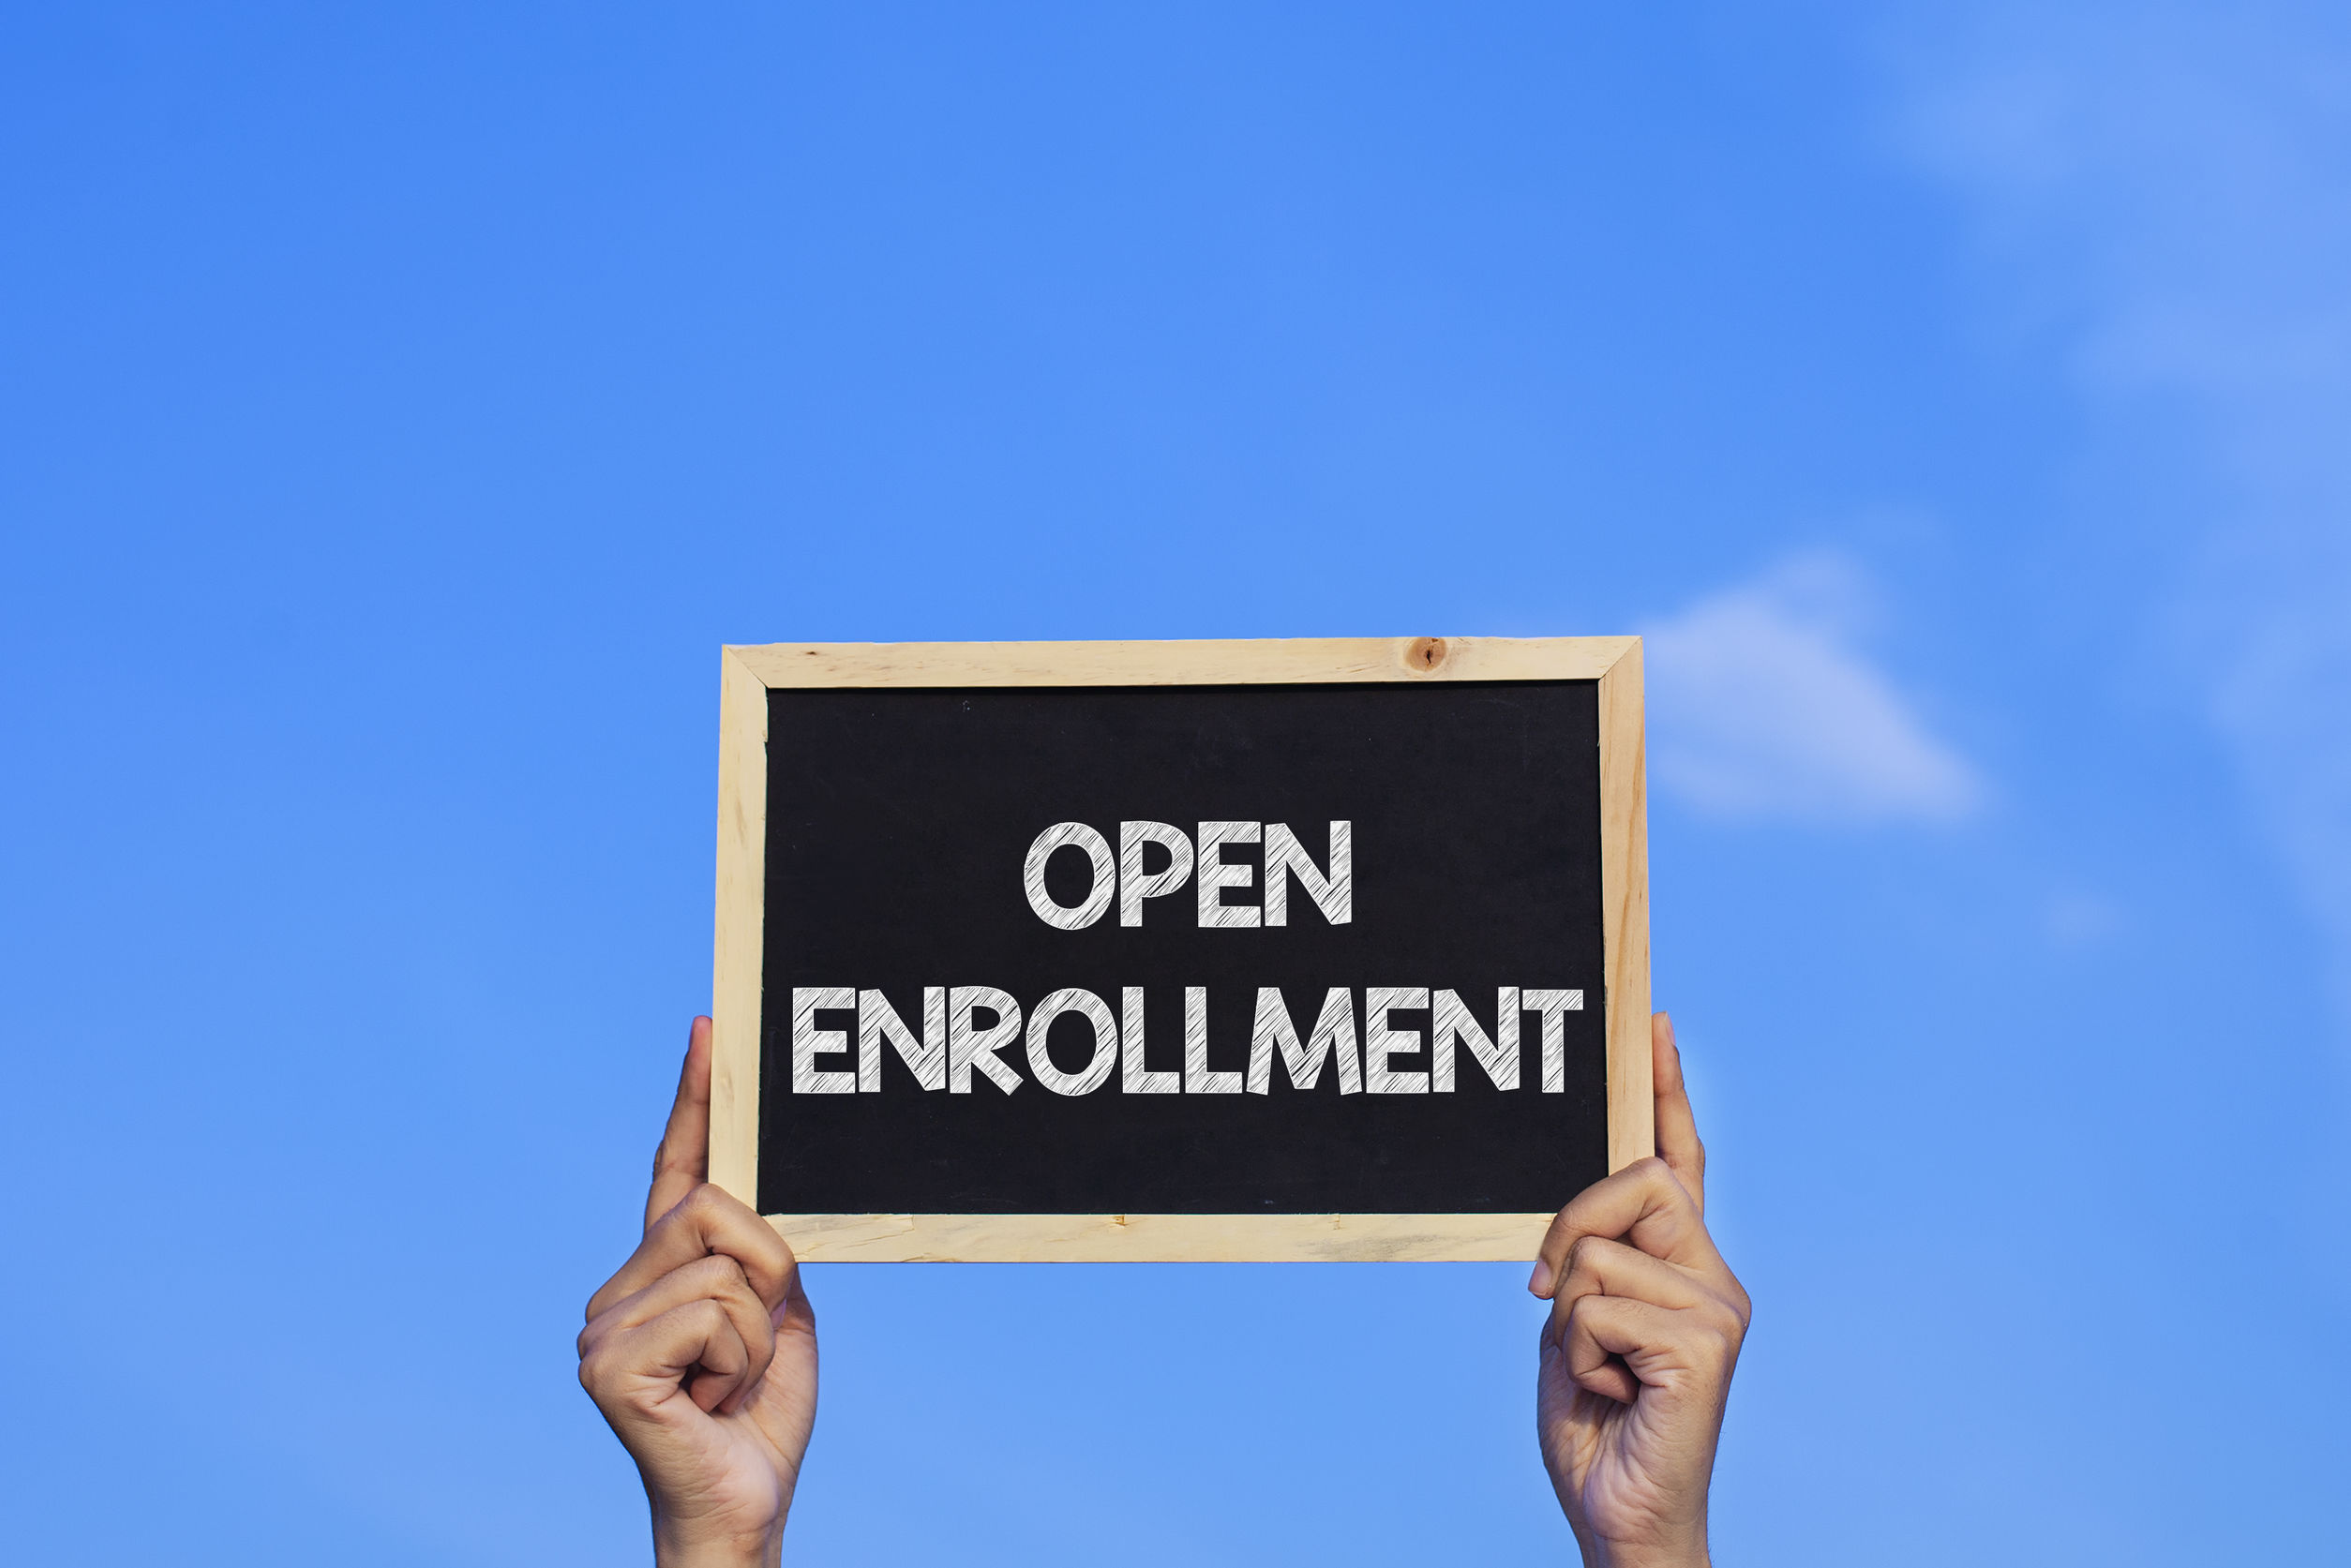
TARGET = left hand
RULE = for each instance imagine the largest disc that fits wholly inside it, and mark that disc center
(701, 1352)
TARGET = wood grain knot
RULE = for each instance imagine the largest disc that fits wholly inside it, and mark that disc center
(1425, 653)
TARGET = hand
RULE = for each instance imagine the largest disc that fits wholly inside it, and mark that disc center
(1635, 1359)
(702, 1353)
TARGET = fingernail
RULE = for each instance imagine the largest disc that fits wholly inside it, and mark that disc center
(1540, 1283)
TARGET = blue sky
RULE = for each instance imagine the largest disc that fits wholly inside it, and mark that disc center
(403, 404)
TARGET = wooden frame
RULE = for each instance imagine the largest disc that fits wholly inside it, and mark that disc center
(748, 673)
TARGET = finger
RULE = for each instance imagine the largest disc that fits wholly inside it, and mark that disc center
(647, 1365)
(1616, 1346)
(706, 1220)
(717, 1278)
(1644, 1203)
(1598, 1266)
(1677, 1129)
(1587, 1367)
(723, 1370)
(683, 1162)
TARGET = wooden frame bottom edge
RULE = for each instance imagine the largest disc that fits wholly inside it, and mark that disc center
(1162, 1238)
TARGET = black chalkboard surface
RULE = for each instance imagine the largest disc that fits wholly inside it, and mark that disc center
(1271, 949)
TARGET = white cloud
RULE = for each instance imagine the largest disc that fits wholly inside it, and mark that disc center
(1761, 707)
(2175, 183)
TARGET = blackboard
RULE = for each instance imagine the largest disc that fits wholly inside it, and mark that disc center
(1277, 949)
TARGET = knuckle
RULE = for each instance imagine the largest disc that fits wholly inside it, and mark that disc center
(762, 1250)
(601, 1302)
(1664, 1182)
(768, 1266)
(1721, 1318)
(778, 1251)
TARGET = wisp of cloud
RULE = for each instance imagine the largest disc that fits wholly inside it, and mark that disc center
(1763, 707)
(2176, 183)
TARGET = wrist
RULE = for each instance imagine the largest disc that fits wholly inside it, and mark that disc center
(677, 1550)
(1599, 1553)
(715, 1556)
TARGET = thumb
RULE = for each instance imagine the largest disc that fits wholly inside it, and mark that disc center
(683, 1162)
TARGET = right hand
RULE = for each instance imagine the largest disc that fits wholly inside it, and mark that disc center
(701, 1353)
(1635, 1359)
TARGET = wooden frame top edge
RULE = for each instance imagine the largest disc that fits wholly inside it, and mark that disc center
(1181, 662)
